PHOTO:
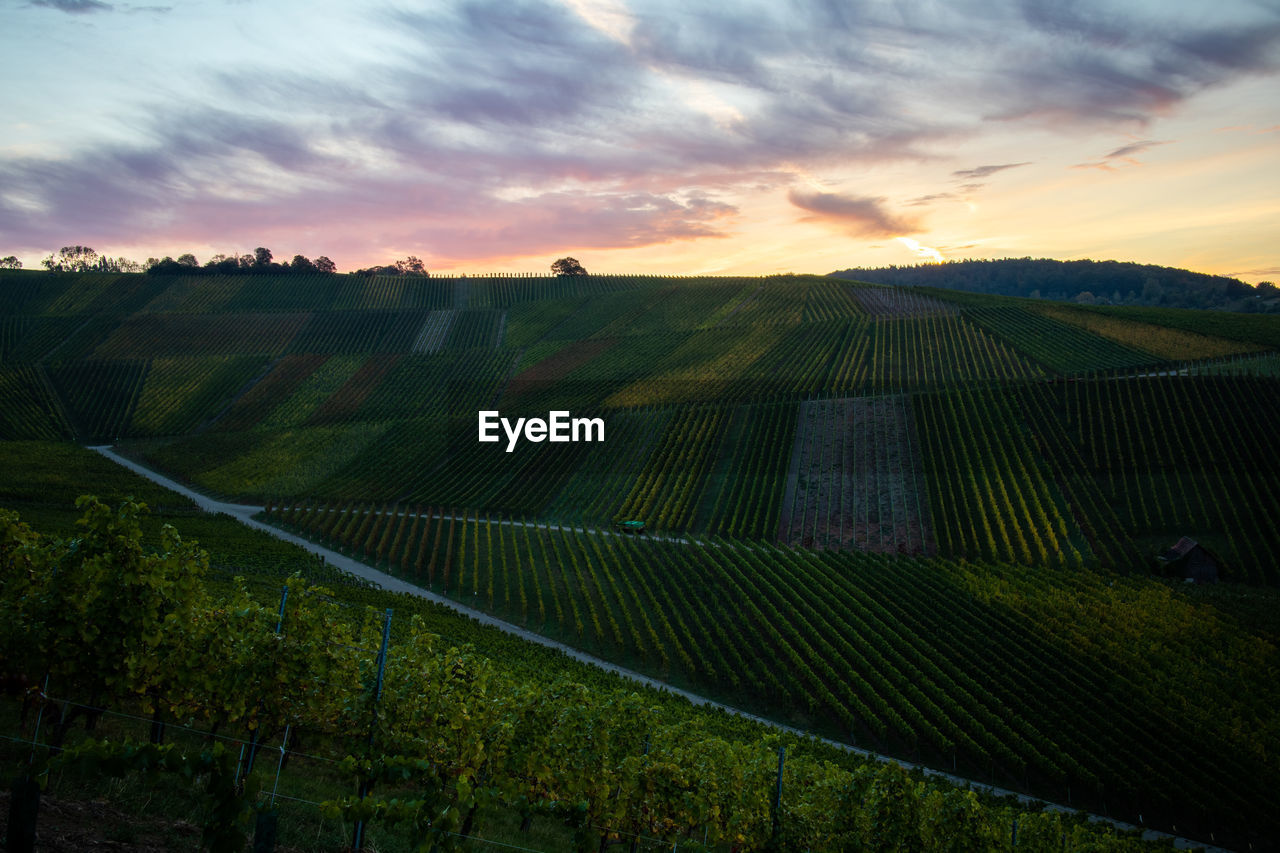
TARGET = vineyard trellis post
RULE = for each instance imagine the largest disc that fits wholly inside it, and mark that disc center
(267, 820)
(284, 597)
(777, 792)
(357, 839)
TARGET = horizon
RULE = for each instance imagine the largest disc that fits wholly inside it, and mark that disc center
(659, 139)
(457, 273)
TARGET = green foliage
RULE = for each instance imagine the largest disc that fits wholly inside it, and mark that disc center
(1002, 670)
(452, 734)
(92, 611)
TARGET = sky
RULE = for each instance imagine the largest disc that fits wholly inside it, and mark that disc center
(645, 136)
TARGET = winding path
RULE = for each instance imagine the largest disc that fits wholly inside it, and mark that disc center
(244, 513)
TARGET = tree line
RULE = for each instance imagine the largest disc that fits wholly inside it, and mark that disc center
(85, 259)
(1085, 282)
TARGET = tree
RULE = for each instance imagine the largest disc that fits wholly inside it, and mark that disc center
(323, 264)
(71, 259)
(411, 266)
(188, 260)
(225, 264)
(165, 266)
(568, 266)
(10, 263)
(301, 263)
(120, 264)
(261, 256)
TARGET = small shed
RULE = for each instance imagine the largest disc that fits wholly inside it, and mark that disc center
(1191, 560)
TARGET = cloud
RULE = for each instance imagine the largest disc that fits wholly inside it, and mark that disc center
(1244, 48)
(1128, 151)
(986, 171)
(74, 7)
(1107, 63)
(1126, 154)
(864, 217)
(925, 199)
(223, 187)
(494, 125)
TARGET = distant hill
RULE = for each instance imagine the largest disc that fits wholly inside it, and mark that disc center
(1086, 282)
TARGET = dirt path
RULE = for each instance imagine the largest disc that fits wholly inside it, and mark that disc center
(245, 514)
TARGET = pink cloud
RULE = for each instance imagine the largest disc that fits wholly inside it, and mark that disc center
(863, 217)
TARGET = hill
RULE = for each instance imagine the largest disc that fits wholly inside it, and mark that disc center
(1083, 282)
(921, 520)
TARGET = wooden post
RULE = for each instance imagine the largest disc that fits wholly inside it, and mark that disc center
(357, 838)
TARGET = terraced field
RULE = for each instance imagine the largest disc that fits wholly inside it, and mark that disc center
(915, 520)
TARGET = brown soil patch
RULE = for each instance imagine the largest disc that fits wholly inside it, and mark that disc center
(855, 480)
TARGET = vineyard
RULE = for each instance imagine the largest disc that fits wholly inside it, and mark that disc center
(288, 678)
(899, 655)
(935, 525)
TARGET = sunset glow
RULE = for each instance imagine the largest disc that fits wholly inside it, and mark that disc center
(648, 137)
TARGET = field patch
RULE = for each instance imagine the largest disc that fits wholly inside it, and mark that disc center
(895, 302)
(257, 465)
(159, 335)
(31, 408)
(856, 481)
(56, 473)
(99, 395)
(374, 292)
(178, 394)
(1059, 346)
(312, 393)
(344, 402)
(434, 331)
(705, 366)
(934, 351)
(1139, 474)
(989, 494)
(428, 385)
(1161, 341)
(560, 364)
(359, 331)
(475, 329)
(200, 294)
(281, 380)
